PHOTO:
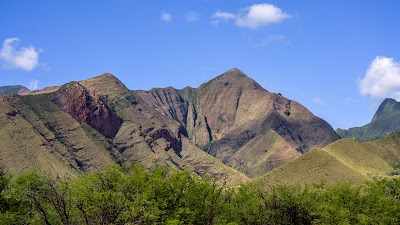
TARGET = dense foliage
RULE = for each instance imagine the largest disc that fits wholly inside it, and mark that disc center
(132, 195)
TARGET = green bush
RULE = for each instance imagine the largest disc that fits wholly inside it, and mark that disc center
(134, 195)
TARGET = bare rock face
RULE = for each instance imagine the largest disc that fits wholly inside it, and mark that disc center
(74, 99)
(234, 119)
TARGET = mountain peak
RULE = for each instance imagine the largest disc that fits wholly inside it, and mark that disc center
(105, 76)
(230, 77)
(387, 107)
(105, 84)
(234, 72)
(385, 121)
(389, 101)
(108, 75)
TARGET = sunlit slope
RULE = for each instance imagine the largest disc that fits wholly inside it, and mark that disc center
(363, 157)
(38, 134)
(345, 160)
(313, 167)
(23, 146)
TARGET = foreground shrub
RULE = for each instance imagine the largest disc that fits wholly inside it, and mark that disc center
(133, 195)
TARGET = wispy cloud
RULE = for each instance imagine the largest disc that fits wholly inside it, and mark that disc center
(254, 16)
(33, 85)
(382, 79)
(219, 16)
(24, 58)
(167, 17)
(318, 101)
(274, 39)
(192, 17)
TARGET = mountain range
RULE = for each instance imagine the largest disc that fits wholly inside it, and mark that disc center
(229, 128)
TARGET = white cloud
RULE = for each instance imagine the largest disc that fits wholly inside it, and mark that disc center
(222, 16)
(166, 17)
(25, 58)
(33, 85)
(259, 15)
(318, 101)
(192, 17)
(382, 79)
(255, 16)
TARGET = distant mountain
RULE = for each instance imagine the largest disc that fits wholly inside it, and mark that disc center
(345, 160)
(230, 128)
(385, 121)
(13, 89)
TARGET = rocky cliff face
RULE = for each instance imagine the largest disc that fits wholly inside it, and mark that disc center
(75, 100)
(230, 113)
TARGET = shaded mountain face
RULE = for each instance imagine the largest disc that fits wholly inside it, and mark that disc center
(230, 128)
(13, 89)
(385, 121)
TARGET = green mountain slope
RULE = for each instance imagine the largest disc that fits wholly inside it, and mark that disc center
(345, 160)
(385, 121)
(314, 167)
(36, 133)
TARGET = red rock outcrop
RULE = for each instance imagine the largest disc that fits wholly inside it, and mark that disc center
(87, 107)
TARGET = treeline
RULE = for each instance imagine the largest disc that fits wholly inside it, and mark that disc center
(132, 195)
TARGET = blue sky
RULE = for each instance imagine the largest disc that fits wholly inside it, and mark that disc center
(338, 58)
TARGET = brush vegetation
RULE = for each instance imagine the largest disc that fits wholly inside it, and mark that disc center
(133, 195)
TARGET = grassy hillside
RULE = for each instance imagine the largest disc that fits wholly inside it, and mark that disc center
(345, 160)
(363, 157)
(36, 133)
(313, 167)
(23, 145)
